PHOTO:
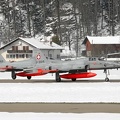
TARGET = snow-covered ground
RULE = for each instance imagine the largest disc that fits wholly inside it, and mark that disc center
(59, 116)
(68, 91)
(60, 92)
(77, 92)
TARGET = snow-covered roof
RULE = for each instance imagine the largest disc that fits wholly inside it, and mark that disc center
(103, 40)
(41, 44)
(36, 42)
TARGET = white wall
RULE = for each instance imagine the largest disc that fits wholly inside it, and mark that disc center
(48, 53)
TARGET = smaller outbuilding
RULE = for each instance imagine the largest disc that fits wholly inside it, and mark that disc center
(23, 48)
(101, 46)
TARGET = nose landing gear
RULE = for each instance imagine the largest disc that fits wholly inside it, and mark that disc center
(106, 79)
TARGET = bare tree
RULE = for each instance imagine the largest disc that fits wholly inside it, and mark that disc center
(59, 21)
(76, 24)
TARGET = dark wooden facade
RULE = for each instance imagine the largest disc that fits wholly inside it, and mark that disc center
(100, 49)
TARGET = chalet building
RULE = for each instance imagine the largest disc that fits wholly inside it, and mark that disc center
(23, 48)
(101, 46)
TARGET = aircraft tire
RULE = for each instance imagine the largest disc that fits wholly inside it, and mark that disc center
(13, 75)
(74, 79)
(87, 68)
(58, 79)
(107, 79)
(28, 77)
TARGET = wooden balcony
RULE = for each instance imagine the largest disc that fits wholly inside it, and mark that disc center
(19, 51)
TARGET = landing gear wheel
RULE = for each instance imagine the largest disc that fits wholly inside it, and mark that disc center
(87, 68)
(73, 79)
(58, 79)
(13, 75)
(28, 77)
(107, 79)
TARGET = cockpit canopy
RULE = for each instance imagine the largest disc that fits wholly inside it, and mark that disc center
(96, 58)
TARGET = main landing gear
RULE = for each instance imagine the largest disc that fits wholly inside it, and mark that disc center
(106, 79)
(57, 77)
(13, 75)
(28, 77)
(73, 79)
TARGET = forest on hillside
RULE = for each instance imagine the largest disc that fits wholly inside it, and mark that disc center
(69, 20)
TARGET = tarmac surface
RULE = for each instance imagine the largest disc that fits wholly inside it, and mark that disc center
(52, 81)
(59, 107)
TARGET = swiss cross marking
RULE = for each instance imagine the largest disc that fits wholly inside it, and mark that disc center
(38, 56)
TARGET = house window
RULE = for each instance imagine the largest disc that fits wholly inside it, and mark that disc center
(28, 55)
(25, 48)
(23, 56)
(11, 56)
(16, 55)
(15, 48)
(7, 55)
(20, 56)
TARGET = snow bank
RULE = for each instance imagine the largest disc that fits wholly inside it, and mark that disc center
(60, 92)
(59, 116)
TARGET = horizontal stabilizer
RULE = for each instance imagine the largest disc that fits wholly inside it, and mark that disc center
(7, 68)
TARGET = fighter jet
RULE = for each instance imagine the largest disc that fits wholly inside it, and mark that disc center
(40, 65)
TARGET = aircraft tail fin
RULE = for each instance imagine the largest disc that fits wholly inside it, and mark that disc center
(39, 56)
(2, 60)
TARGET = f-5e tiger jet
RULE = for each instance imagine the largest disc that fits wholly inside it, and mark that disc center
(39, 65)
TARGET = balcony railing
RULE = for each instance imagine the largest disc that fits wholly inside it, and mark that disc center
(19, 51)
